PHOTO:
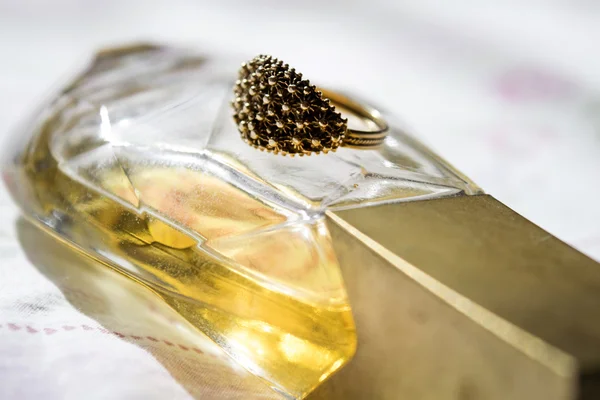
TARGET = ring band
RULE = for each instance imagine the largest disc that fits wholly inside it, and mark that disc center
(278, 111)
(357, 138)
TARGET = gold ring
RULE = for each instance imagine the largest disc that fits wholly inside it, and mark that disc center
(278, 111)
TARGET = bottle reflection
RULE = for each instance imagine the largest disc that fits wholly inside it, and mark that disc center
(137, 315)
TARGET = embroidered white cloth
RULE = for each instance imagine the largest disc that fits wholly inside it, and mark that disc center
(507, 92)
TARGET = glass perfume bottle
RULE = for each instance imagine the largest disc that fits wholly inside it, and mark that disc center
(138, 164)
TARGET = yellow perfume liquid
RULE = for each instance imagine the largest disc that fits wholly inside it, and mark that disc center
(255, 277)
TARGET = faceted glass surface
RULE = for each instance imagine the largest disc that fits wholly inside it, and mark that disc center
(138, 164)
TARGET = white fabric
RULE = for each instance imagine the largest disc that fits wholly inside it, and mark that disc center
(506, 91)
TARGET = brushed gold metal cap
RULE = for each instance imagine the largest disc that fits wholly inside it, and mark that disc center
(462, 298)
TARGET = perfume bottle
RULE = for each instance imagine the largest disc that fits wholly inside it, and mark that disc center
(138, 164)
